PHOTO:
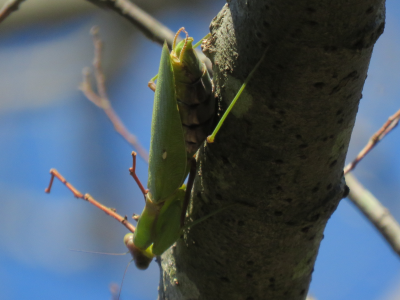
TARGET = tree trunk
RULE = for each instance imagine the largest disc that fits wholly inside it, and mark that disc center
(280, 154)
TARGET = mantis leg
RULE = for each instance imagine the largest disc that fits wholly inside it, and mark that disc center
(192, 176)
(109, 211)
(210, 138)
(132, 171)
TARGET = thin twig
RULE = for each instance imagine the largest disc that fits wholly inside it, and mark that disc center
(9, 7)
(101, 100)
(379, 135)
(151, 27)
(379, 215)
(109, 211)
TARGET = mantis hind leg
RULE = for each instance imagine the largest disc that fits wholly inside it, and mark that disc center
(211, 138)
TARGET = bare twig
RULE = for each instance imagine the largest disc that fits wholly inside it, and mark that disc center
(379, 135)
(109, 211)
(151, 27)
(375, 212)
(101, 100)
(9, 7)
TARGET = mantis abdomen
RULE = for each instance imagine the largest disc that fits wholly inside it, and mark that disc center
(194, 94)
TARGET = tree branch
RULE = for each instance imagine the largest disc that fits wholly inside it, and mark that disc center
(379, 215)
(151, 27)
(390, 124)
(102, 101)
(281, 152)
(9, 7)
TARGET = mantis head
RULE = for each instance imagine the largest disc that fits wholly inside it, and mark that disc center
(185, 60)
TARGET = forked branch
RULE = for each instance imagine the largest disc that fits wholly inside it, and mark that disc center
(101, 99)
(109, 211)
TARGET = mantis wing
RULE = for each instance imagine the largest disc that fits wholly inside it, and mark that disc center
(167, 158)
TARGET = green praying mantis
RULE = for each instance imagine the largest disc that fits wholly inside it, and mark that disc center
(182, 115)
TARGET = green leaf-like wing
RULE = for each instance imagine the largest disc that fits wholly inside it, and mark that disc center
(167, 158)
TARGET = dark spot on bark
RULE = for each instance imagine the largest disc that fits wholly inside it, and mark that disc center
(290, 223)
(369, 10)
(333, 164)
(198, 194)
(266, 7)
(241, 223)
(249, 298)
(314, 218)
(311, 23)
(280, 66)
(359, 44)
(275, 126)
(328, 48)
(259, 35)
(272, 279)
(279, 161)
(315, 189)
(282, 112)
(319, 85)
(339, 112)
(249, 275)
(302, 292)
(225, 160)
(331, 136)
(278, 213)
(325, 139)
(303, 156)
(278, 122)
(310, 9)
(346, 191)
(266, 24)
(305, 229)
(298, 136)
(219, 197)
(303, 146)
(279, 188)
(250, 262)
(225, 279)
(218, 263)
(308, 261)
(340, 121)
(288, 200)
(271, 107)
(329, 186)
(311, 238)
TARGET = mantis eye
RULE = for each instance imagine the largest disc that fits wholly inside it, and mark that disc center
(142, 258)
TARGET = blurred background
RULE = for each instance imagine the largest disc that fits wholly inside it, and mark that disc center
(46, 122)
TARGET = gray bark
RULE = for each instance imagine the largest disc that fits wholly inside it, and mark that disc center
(281, 152)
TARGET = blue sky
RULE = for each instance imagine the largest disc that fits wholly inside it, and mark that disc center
(46, 122)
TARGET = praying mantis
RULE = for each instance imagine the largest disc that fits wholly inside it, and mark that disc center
(182, 116)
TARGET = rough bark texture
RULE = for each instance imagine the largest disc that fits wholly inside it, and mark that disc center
(280, 154)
